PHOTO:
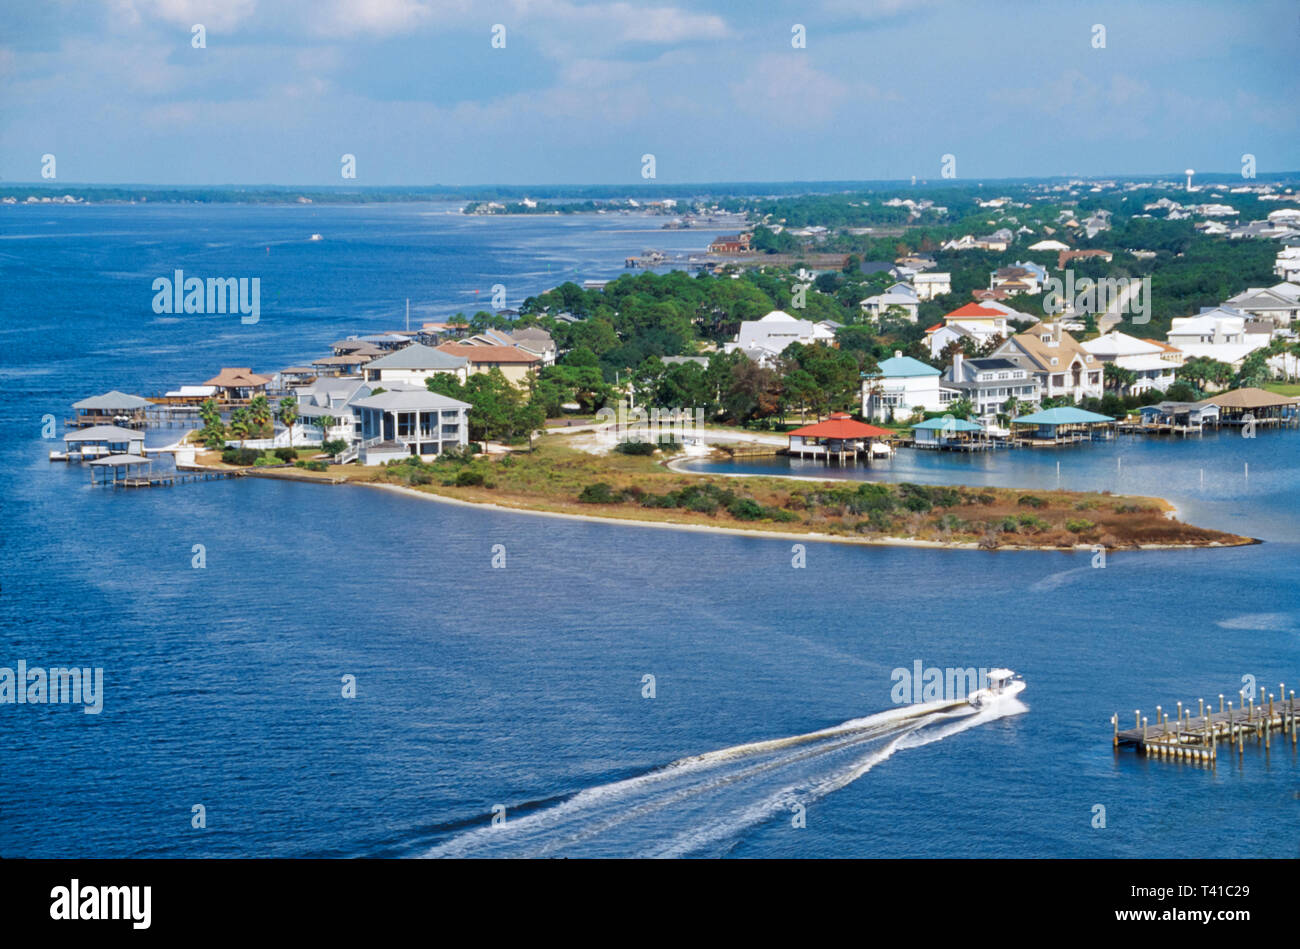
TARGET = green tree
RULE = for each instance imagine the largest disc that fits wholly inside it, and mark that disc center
(259, 413)
(240, 424)
(288, 414)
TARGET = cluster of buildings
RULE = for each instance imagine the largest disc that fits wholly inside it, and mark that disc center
(370, 391)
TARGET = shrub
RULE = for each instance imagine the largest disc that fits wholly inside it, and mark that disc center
(1085, 505)
(1009, 525)
(468, 477)
(745, 509)
(334, 446)
(635, 448)
(1031, 524)
(1031, 500)
(702, 503)
(261, 462)
(917, 503)
(240, 456)
(316, 466)
(598, 493)
(286, 454)
(780, 515)
(1078, 525)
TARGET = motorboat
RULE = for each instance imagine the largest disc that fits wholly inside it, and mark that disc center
(1000, 684)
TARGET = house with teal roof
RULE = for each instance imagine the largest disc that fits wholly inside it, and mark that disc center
(900, 385)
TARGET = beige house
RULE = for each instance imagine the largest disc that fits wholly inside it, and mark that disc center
(515, 364)
(1061, 365)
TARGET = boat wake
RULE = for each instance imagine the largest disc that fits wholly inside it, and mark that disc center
(699, 805)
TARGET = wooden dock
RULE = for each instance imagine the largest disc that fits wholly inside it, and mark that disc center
(170, 480)
(1198, 738)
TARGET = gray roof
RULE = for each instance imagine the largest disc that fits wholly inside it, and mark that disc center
(409, 400)
(417, 356)
(105, 433)
(112, 400)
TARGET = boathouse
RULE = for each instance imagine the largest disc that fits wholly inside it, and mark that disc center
(1179, 417)
(950, 434)
(1241, 406)
(840, 436)
(99, 441)
(1060, 426)
(111, 408)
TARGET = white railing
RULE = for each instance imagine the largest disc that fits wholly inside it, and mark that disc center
(353, 452)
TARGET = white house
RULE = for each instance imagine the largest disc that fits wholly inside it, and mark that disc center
(764, 340)
(1152, 363)
(403, 422)
(931, 285)
(900, 295)
(1050, 245)
(990, 383)
(1287, 265)
(414, 364)
(1217, 333)
(901, 385)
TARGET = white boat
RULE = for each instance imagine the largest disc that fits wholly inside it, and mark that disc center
(881, 449)
(1002, 684)
(316, 237)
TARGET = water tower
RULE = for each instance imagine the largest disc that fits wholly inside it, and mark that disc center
(1189, 173)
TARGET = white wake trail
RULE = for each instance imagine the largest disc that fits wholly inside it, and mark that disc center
(703, 800)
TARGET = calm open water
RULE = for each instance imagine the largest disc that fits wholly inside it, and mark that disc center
(522, 688)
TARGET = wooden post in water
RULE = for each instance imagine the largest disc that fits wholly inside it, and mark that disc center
(1160, 719)
(1137, 718)
(1115, 719)
(1144, 734)
(1220, 703)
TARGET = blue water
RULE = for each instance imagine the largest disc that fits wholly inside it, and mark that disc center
(522, 687)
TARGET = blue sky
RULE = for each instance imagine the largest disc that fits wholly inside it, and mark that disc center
(414, 89)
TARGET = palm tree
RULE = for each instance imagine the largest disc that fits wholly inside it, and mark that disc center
(326, 422)
(209, 412)
(259, 413)
(239, 425)
(288, 414)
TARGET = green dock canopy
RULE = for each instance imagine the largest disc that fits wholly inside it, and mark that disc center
(1064, 415)
(947, 425)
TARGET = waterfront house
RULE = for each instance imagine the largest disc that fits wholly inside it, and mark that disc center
(399, 423)
(1287, 264)
(293, 376)
(1064, 369)
(333, 397)
(840, 436)
(516, 364)
(414, 364)
(238, 385)
(991, 382)
(1153, 364)
(900, 385)
(111, 408)
(900, 297)
(1059, 426)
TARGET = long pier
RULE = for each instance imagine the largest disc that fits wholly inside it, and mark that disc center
(1198, 737)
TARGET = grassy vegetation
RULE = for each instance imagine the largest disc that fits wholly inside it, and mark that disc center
(1284, 388)
(558, 478)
